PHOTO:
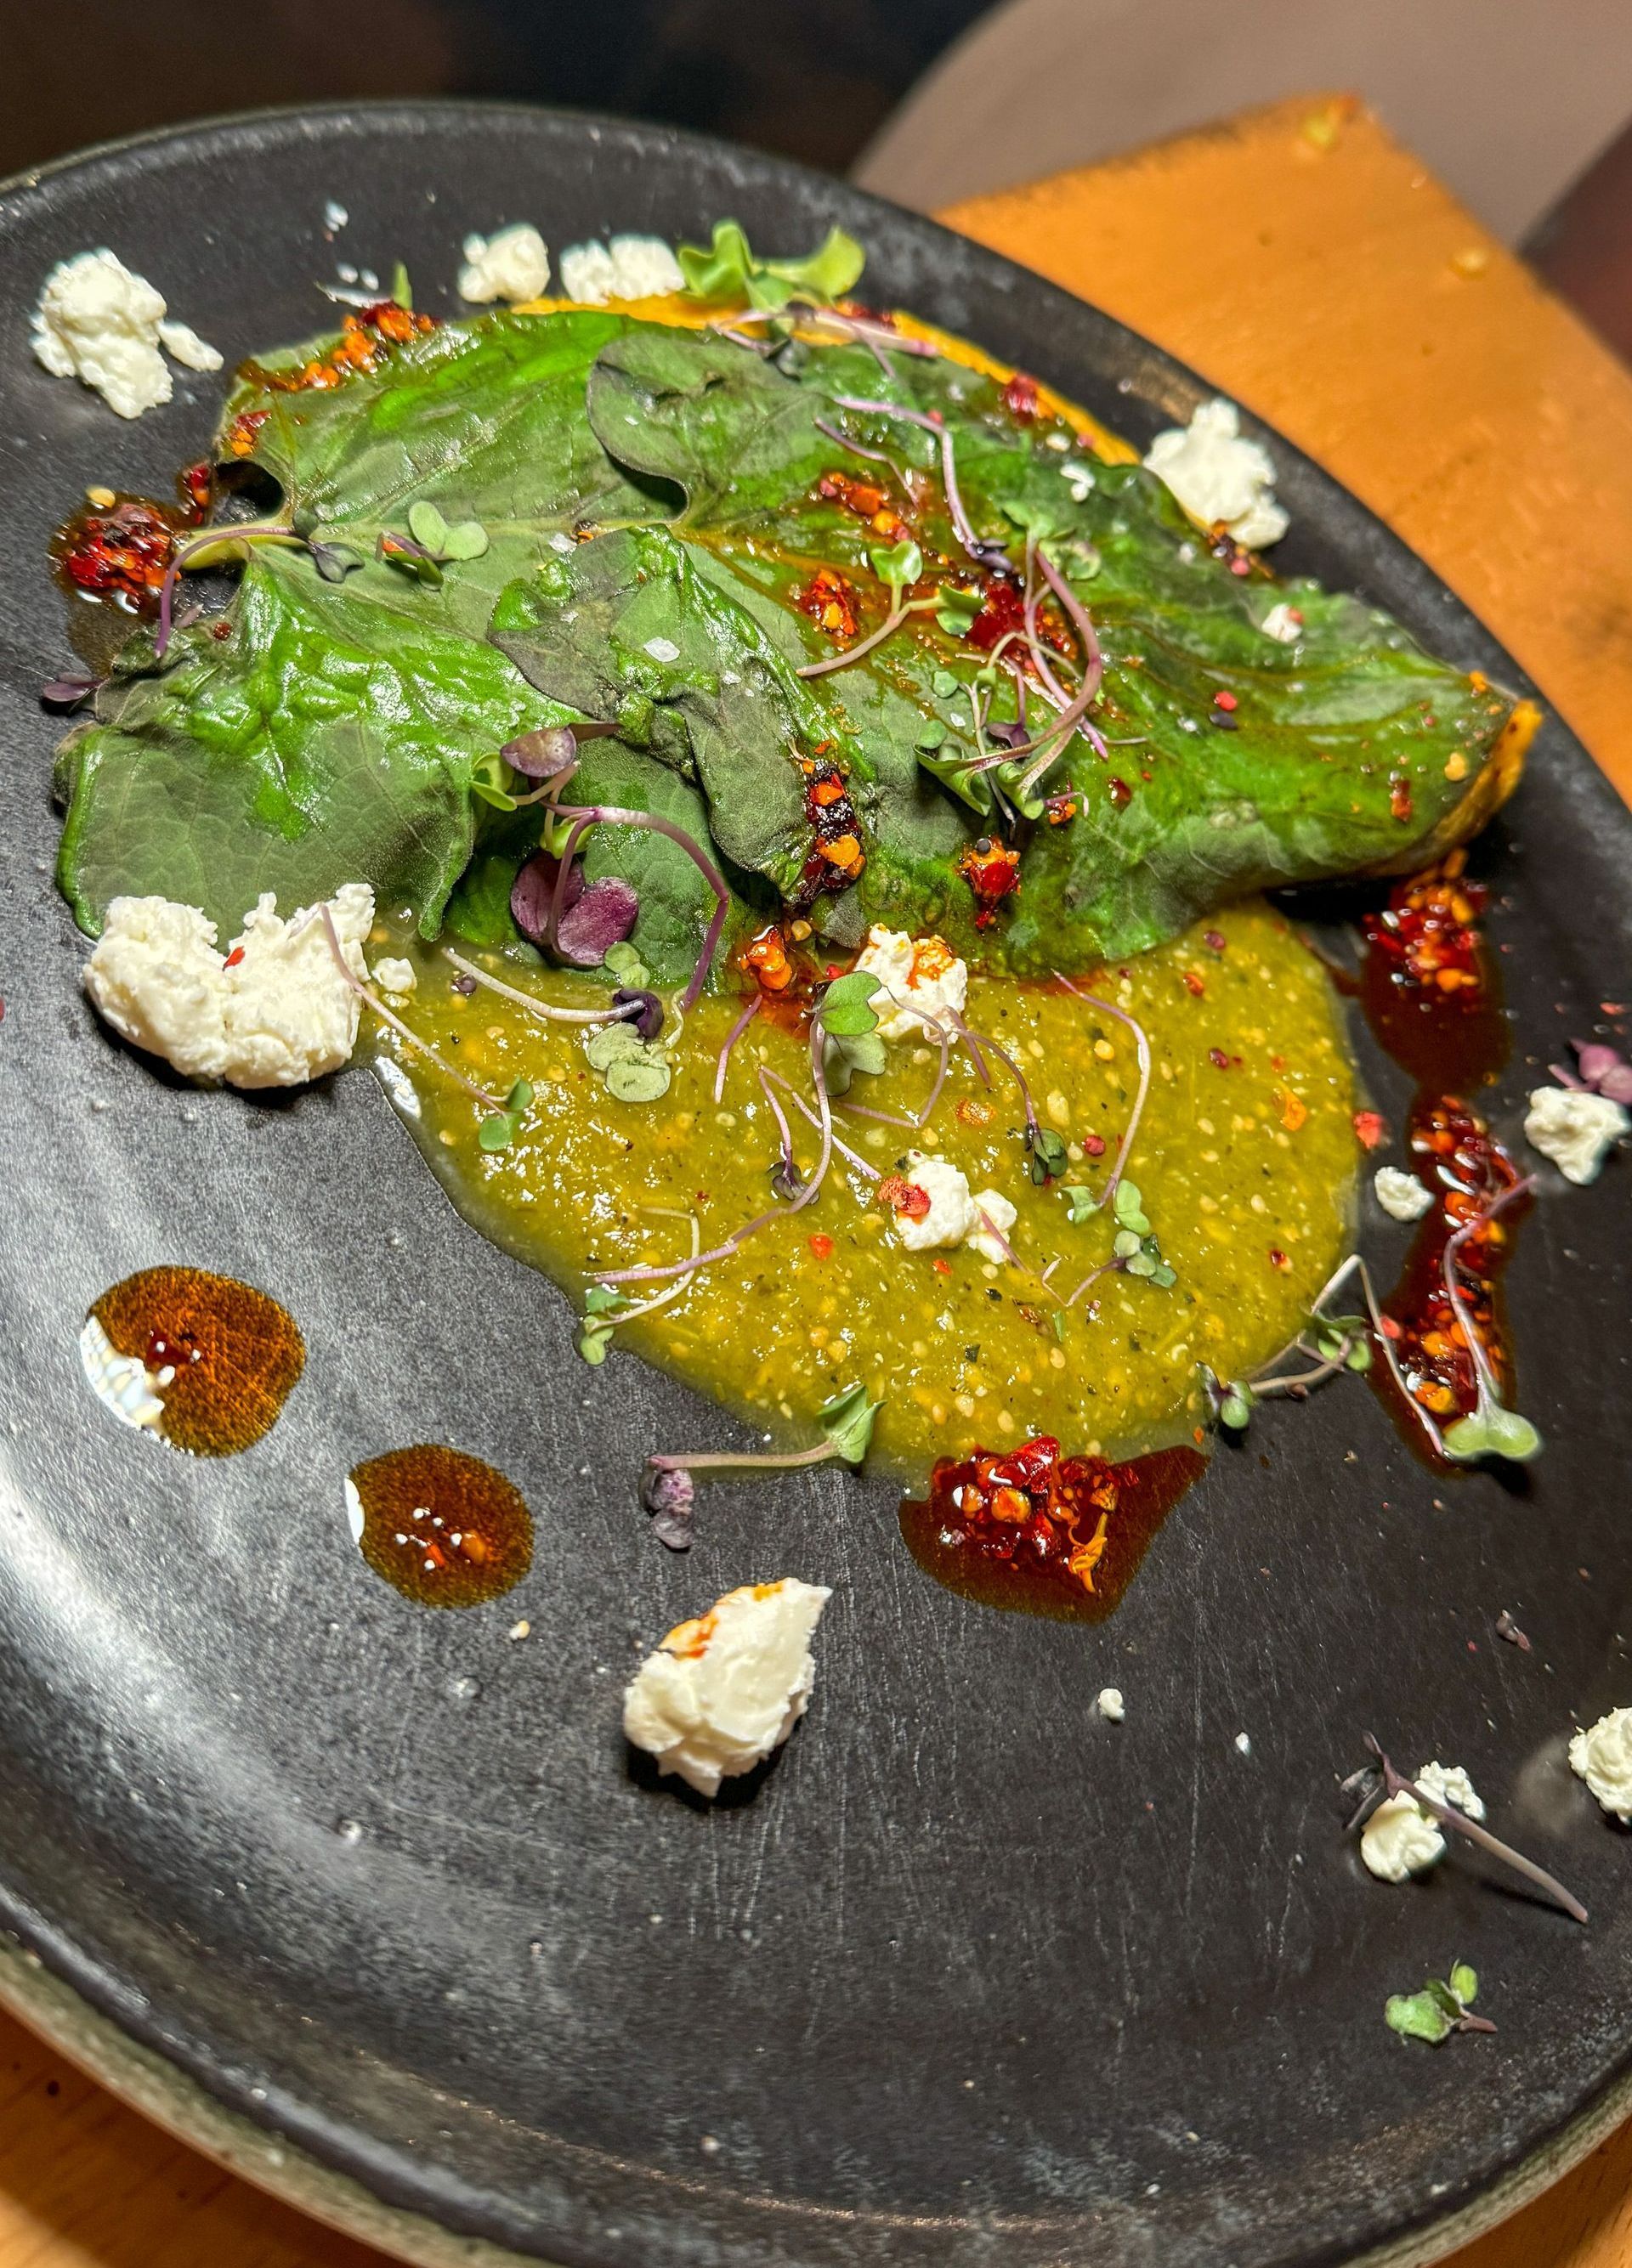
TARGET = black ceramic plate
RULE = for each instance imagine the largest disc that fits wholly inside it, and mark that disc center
(971, 1974)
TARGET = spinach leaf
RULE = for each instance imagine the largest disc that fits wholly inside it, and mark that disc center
(328, 739)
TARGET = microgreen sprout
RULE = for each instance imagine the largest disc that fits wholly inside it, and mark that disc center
(1142, 1046)
(583, 816)
(464, 539)
(601, 1319)
(423, 1047)
(69, 692)
(846, 1425)
(1443, 2006)
(1491, 1429)
(728, 269)
(1385, 1782)
(850, 1027)
(210, 548)
(620, 1010)
(735, 1034)
(897, 567)
(500, 1128)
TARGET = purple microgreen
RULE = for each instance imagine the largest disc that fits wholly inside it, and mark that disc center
(542, 754)
(1008, 736)
(532, 895)
(1605, 1069)
(1507, 1628)
(464, 986)
(410, 558)
(334, 561)
(609, 814)
(735, 1034)
(604, 915)
(423, 1047)
(983, 553)
(69, 692)
(770, 1078)
(1395, 1782)
(644, 1009)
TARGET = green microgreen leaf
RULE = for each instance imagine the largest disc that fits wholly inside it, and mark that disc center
(1081, 1203)
(1418, 2016)
(1234, 1409)
(955, 609)
(944, 685)
(1465, 1983)
(601, 1298)
(1127, 1244)
(847, 1423)
(639, 1079)
(467, 538)
(401, 289)
(931, 735)
(426, 525)
(897, 567)
(727, 270)
(1492, 1431)
(846, 1005)
(1047, 1156)
(1128, 1206)
(626, 965)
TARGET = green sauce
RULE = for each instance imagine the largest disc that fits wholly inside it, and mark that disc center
(1245, 1158)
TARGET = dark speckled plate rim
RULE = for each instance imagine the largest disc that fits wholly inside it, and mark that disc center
(269, 2136)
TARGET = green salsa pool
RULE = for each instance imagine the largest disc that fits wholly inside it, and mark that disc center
(1245, 1159)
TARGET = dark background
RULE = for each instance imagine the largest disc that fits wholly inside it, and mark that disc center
(807, 78)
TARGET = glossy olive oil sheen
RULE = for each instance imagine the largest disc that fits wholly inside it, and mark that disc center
(1245, 1158)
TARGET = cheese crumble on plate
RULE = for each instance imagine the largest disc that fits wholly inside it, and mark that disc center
(725, 1690)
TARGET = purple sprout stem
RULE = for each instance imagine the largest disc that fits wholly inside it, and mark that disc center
(757, 1459)
(611, 814)
(1395, 1782)
(424, 1047)
(543, 1008)
(1143, 1046)
(984, 1039)
(1489, 1388)
(782, 1127)
(739, 1236)
(738, 1030)
(211, 539)
(851, 1157)
(984, 555)
(856, 448)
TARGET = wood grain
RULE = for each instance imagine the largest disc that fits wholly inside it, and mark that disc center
(1324, 279)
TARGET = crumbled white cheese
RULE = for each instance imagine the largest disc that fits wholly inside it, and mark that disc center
(923, 974)
(511, 264)
(274, 1011)
(955, 1214)
(1219, 475)
(661, 648)
(722, 1691)
(1283, 624)
(1109, 1704)
(627, 267)
(1602, 1756)
(396, 975)
(1577, 1130)
(1243, 1744)
(1401, 1839)
(98, 322)
(122, 1382)
(1401, 1195)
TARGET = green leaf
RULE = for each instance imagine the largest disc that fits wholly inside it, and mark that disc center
(402, 290)
(931, 735)
(622, 962)
(860, 1051)
(426, 525)
(899, 567)
(943, 684)
(1127, 1244)
(641, 1078)
(1081, 1203)
(1235, 1409)
(847, 1009)
(601, 1298)
(496, 1132)
(1464, 1984)
(1492, 1431)
(955, 609)
(1046, 1154)
(722, 271)
(847, 1422)
(727, 270)
(593, 1342)
(1418, 2016)
(1128, 1206)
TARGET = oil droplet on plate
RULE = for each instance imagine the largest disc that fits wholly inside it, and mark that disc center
(201, 1361)
(441, 1527)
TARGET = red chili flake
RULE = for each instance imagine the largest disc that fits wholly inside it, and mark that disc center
(1400, 798)
(1428, 933)
(991, 872)
(822, 1246)
(366, 338)
(1391, 1329)
(1223, 700)
(866, 500)
(828, 599)
(1241, 565)
(235, 957)
(910, 1198)
(1371, 1129)
(1062, 809)
(196, 482)
(1215, 940)
(941, 1267)
(1093, 1146)
(1195, 982)
(221, 630)
(240, 439)
(1219, 1060)
(1019, 397)
(971, 1113)
(123, 555)
(1121, 794)
(1277, 1258)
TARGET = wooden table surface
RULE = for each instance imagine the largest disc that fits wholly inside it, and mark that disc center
(1311, 268)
